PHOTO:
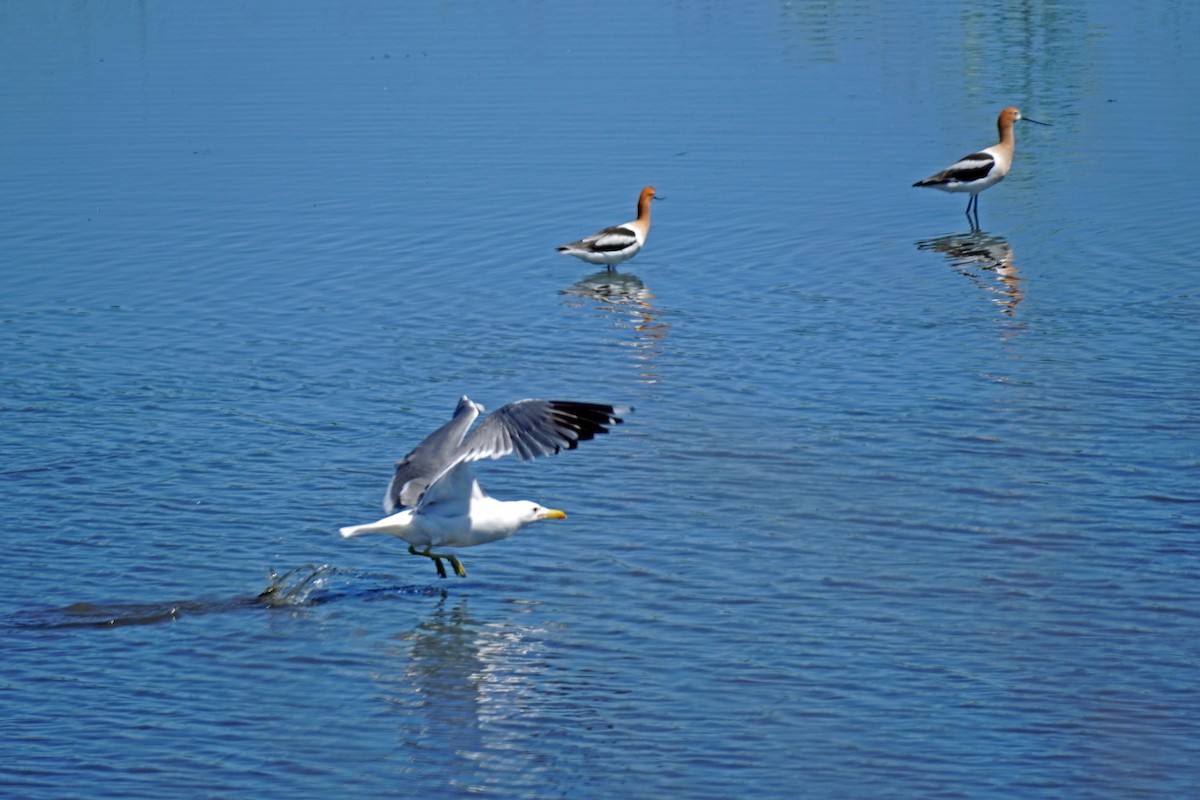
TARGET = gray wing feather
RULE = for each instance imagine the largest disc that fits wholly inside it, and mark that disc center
(430, 458)
(527, 428)
(533, 428)
(451, 492)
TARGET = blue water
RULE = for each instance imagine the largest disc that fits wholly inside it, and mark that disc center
(904, 510)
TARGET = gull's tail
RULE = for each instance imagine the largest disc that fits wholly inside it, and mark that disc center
(395, 524)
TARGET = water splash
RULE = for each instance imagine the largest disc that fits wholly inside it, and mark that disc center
(296, 586)
(310, 584)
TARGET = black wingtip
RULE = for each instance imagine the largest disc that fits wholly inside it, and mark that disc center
(587, 419)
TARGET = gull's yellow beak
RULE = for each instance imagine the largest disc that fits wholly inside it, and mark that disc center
(552, 513)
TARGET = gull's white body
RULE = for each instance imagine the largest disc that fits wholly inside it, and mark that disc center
(483, 519)
(619, 243)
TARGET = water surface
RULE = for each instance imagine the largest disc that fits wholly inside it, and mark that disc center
(904, 510)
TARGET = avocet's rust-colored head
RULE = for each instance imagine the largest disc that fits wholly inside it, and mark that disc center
(644, 199)
(1012, 115)
(1007, 117)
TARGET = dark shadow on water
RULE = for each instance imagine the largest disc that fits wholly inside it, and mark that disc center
(304, 586)
(987, 260)
(625, 300)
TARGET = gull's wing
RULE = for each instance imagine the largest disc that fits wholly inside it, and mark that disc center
(526, 428)
(450, 493)
(430, 458)
(533, 428)
(966, 169)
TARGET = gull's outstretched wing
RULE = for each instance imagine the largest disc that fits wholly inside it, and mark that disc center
(430, 458)
(526, 428)
(533, 428)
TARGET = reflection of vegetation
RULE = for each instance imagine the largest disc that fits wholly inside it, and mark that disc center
(1039, 40)
(820, 23)
(989, 53)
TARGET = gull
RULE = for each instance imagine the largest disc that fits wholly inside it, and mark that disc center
(619, 243)
(440, 500)
(984, 169)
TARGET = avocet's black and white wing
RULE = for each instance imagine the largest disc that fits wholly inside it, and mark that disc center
(609, 240)
(968, 169)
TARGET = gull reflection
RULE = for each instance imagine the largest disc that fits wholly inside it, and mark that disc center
(987, 260)
(626, 302)
(463, 688)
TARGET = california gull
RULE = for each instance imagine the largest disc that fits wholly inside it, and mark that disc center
(434, 499)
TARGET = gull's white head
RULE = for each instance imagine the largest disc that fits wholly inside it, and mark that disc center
(532, 512)
(507, 517)
(519, 513)
(499, 519)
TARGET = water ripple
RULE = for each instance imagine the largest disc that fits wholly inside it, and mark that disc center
(305, 585)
